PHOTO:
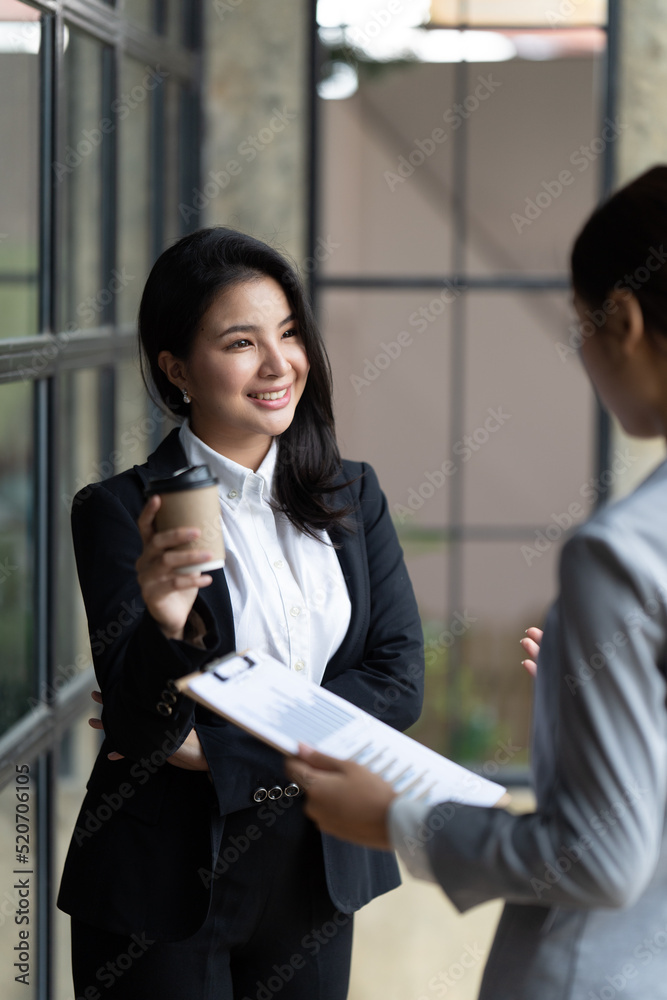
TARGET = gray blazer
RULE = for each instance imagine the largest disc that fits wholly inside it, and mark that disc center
(585, 876)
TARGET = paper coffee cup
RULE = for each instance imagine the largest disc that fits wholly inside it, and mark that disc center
(190, 499)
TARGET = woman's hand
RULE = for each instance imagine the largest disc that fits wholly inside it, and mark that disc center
(168, 595)
(97, 724)
(344, 798)
(189, 755)
(531, 645)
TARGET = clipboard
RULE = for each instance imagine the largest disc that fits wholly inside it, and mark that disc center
(261, 695)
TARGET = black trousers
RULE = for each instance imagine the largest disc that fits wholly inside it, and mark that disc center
(272, 930)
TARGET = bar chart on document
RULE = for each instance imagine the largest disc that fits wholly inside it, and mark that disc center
(261, 695)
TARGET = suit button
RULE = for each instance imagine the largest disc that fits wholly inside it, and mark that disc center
(171, 686)
(168, 697)
(292, 790)
(276, 792)
(260, 794)
(163, 708)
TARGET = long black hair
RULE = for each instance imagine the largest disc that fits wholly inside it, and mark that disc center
(181, 287)
(621, 246)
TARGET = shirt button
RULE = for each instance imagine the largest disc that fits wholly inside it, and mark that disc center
(279, 564)
(299, 665)
(232, 494)
(295, 611)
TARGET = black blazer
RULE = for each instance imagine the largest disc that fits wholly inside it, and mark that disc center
(143, 842)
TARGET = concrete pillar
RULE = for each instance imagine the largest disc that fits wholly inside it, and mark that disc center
(256, 138)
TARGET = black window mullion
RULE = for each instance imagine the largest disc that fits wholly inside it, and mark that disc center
(109, 180)
(44, 519)
(157, 159)
(189, 130)
(313, 150)
(603, 437)
(43, 800)
(111, 77)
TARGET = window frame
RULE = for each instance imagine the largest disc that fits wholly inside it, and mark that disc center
(35, 737)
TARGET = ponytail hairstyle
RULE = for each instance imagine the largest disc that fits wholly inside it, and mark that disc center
(622, 246)
(182, 285)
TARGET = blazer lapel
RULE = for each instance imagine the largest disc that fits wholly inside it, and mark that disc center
(351, 556)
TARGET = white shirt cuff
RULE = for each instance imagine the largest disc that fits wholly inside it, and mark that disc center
(406, 830)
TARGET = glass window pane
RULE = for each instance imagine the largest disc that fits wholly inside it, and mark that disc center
(78, 465)
(534, 159)
(538, 12)
(172, 221)
(134, 215)
(75, 757)
(18, 838)
(175, 21)
(16, 552)
(529, 412)
(78, 175)
(386, 185)
(142, 12)
(427, 561)
(140, 424)
(20, 35)
(490, 697)
(390, 359)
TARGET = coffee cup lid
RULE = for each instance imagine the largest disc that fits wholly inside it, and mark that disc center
(195, 477)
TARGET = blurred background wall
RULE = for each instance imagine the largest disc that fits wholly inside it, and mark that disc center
(426, 165)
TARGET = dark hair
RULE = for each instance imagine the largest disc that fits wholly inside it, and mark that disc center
(621, 247)
(181, 287)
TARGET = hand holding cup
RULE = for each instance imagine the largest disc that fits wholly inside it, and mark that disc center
(168, 592)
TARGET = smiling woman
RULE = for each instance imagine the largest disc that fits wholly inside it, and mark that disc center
(314, 576)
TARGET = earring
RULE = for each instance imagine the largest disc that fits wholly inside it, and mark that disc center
(186, 398)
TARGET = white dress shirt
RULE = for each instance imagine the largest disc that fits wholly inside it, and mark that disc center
(288, 593)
